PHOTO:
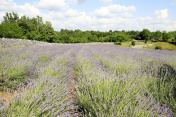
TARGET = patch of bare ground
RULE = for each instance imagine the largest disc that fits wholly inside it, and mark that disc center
(71, 81)
(141, 46)
(7, 96)
(72, 92)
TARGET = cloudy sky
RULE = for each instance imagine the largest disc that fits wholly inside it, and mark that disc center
(102, 15)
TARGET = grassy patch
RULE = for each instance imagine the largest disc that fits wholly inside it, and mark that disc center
(125, 45)
(164, 45)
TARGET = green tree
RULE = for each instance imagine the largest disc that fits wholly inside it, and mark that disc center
(49, 31)
(10, 30)
(92, 38)
(65, 39)
(24, 22)
(56, 39)
(145, 35)
(166, 36)
(133, 34)
(122, 37)
(33, 35)
(157, 35)
(11, 17)
(109, 38)
(174, 40)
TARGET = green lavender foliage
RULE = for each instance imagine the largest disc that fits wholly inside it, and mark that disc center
(106, 80)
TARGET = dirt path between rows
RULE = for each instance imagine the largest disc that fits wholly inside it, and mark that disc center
(72, 92)
(71, 81)
(6, 97)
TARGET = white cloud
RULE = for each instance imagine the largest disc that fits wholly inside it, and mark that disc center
(1, 16)
(102, 12)
(73, 13)
(7, 5)
(52, 5)
(6, 2)
(26, 9)
(144, 19)
(107, 21)
(77, 2)
(107, 1)
(126, 15)
(119, 8)
(112, 10)
(104, 19)
(161, 14)
(54, 16)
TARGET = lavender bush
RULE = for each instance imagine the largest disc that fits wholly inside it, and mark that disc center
(88, 80)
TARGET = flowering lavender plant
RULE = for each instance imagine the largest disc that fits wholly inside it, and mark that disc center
(87, 80)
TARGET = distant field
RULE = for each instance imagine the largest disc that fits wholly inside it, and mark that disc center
(87, 80)
(164, 45)
(150, 45)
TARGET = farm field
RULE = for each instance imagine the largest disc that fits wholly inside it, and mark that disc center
(87, 80)
(150, 45)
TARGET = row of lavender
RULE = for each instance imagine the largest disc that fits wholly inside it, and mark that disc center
(109, 81)
(38, 77)
(126, 82)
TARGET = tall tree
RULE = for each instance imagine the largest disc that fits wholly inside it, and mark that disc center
(24, 22)
(157, 35)
(11, 17)
(145, 35)
(10, 30)
(166, 36)
(174, 40)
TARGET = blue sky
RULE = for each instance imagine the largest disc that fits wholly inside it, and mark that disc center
(102, 15)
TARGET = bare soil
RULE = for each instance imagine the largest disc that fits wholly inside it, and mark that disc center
(141, 46)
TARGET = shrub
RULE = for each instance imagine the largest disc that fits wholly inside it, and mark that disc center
(117, 43)
(158, 48)
(133, 43)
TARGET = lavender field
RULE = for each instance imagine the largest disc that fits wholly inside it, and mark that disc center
(99, 80)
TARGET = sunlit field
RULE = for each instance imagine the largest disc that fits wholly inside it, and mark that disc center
(87, 80)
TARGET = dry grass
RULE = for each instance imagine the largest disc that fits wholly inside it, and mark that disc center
(164, 45)
(150, 45)
(125, 45)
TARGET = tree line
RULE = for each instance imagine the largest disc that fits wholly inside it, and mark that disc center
(34, 28)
